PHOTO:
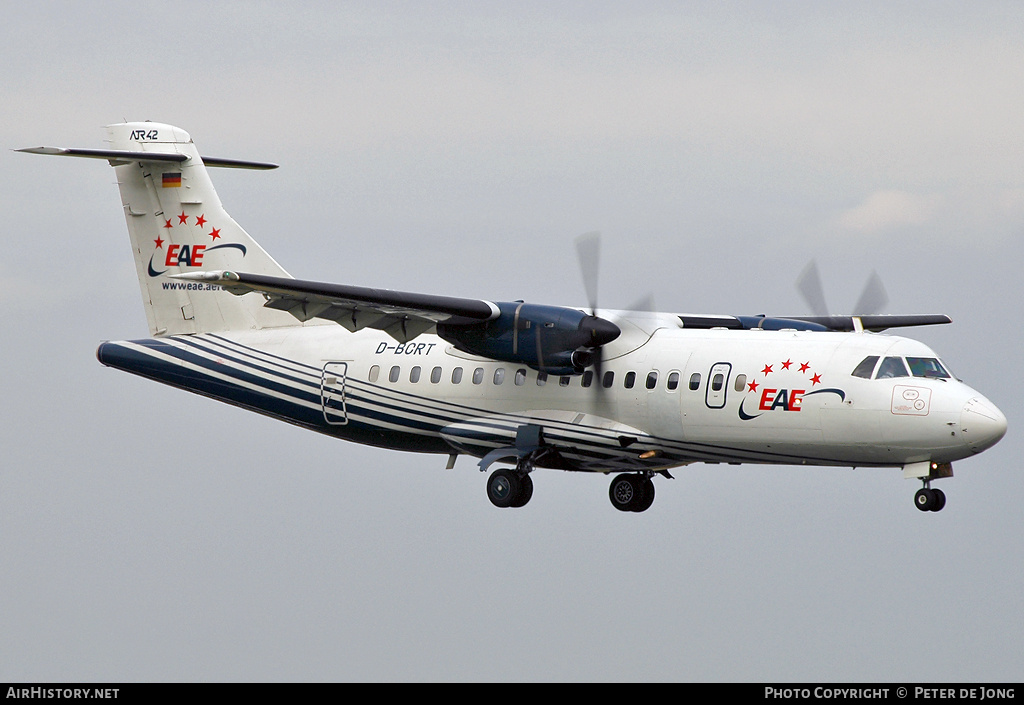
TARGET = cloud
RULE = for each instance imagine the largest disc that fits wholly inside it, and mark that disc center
(886, 210)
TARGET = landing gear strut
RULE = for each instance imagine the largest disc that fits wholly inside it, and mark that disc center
(928, 500)
(631, 492)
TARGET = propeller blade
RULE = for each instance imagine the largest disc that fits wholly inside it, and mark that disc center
(809, 286)
(874, 297)
(644, 305)
(598, 381)
(588, 251)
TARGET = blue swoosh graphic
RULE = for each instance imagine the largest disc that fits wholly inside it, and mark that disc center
(840, 392)
(744, 415)
(153, 272)
(235, 245)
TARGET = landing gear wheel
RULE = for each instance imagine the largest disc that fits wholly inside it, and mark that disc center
(525, 491)
(631, 492)
(622, 492)
(648, 498)
(924, 499)
(509, 488)
(929, 500)
(503, 487)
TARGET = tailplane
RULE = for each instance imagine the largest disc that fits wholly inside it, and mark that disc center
(177, 225)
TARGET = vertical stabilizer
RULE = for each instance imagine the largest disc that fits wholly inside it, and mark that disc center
(177, 224)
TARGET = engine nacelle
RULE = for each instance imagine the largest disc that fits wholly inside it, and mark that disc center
(551, 339)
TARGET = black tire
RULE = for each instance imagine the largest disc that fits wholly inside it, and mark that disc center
(625, 492)
(940, 500)
(924, 499)
(503, 487)
(647, 495)
(525, 491)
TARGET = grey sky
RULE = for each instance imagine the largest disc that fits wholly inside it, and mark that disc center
(457, 148)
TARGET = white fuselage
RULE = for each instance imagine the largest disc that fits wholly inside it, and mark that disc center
(673, 395)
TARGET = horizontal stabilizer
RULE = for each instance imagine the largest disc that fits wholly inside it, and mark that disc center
(124, 156)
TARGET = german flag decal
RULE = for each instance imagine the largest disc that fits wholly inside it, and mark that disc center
(172, 180)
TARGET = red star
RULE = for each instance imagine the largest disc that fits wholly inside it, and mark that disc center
(766, 370)
(167, 223)
(786, 364)
(182, 219)
(816, 379)
(200, 220)
(214, 233)
(753, 387)
(159, 242)
(805, 366)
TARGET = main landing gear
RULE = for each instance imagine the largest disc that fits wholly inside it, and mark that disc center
(509, 488)
(513, 487)
(631, 492)
(928, 500)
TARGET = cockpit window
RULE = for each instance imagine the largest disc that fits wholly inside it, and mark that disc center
(927, 367)
(866, 367)
(892, 367)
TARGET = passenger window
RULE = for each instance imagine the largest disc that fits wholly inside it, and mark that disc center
(741, 383)
(457, 375)
(891, 367)
(414, 374)
(374, 373)
(629, 380)
(866, 367)
(927, 367)
(396, 371)
(478, 375)
(652, 380)
(695, 381)
(609, 379)
(499, 376)
(588, 378)
(520, 377)
(673, 381)
(542, 379)
(435, 375)
(717, 382)
(564, 381)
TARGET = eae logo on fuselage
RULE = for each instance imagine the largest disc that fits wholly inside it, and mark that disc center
(801, 382)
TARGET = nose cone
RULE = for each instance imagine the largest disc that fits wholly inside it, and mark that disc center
(981, 424)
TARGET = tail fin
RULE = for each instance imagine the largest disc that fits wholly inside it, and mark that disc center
(177, 225)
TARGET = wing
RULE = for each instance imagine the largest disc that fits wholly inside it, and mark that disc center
(874, 322)
(400, 314)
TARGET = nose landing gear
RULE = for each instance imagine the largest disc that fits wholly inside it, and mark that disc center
(928, 500)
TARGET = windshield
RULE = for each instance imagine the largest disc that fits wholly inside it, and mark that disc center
(927, 367)
(891, 367)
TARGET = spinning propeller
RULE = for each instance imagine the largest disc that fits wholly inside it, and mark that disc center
(872, 299)
(602, 331)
